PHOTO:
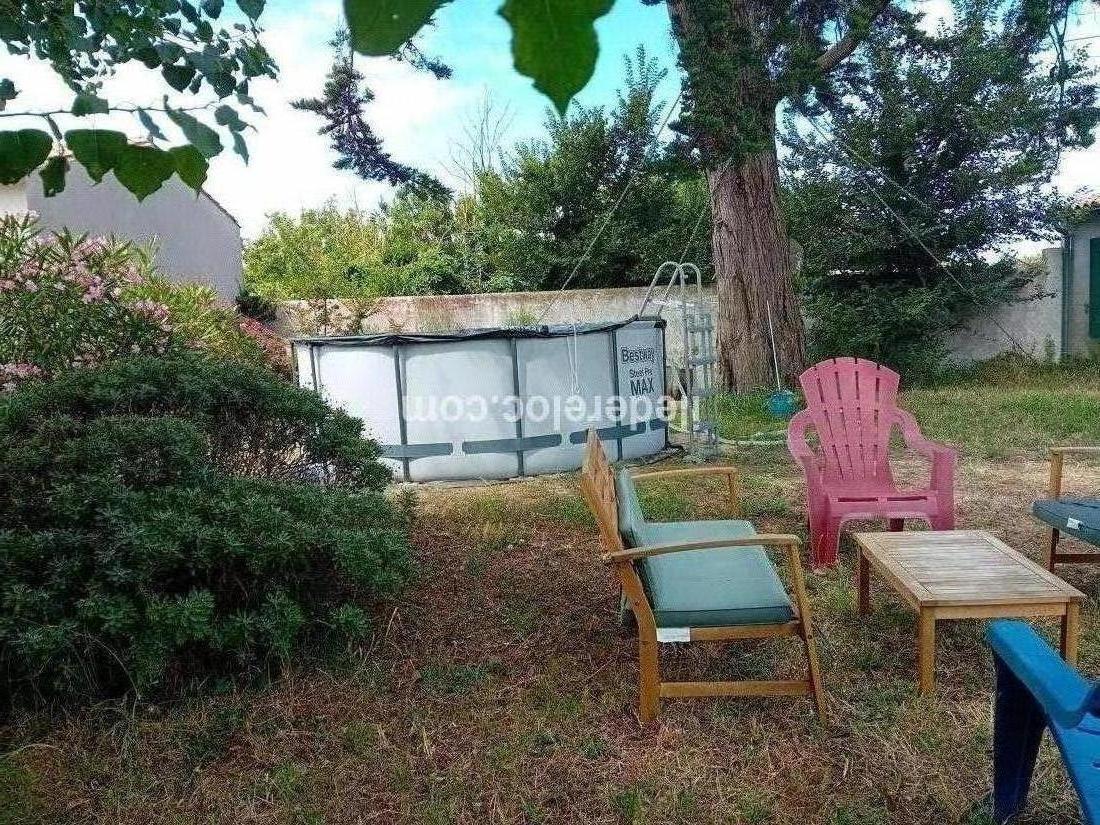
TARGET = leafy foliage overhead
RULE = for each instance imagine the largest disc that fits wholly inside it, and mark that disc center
(381, 28)
(553, 41)
(85, 42)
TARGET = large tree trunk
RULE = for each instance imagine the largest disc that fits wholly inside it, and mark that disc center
(754, 269)
(736, 96)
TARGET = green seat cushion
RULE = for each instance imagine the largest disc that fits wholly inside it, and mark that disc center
(1078, 517)
(631, 520)
(716, 587)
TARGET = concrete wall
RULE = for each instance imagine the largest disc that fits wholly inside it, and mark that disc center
(196, 239)
(437, 313)
(1035, 323)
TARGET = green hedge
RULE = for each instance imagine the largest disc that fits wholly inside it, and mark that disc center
(162, 520)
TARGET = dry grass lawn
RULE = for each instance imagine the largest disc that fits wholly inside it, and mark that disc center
(500, 689)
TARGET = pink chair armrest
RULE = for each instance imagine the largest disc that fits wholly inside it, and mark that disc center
(800, 449)
(944, 458)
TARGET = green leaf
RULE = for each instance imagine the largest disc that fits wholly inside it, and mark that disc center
(227, 116)
(178, 76)
(21, 152)
(97, 150)
(213, 8)
(150, 125)
(246, 100)
(239, 146)
(89, 104)
(191, 166)
(53, 175)
(198, 134)
(7, 90)
(252, 8)
(554, 43)
(143, 169)
(381, 27)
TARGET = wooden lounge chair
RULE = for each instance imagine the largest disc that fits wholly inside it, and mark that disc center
(1037, 690)
(1077, 517)
(697, 581)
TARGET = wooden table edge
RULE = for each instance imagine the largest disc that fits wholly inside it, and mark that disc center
(922, 596)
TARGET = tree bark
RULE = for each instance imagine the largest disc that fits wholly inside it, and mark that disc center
(751, 250)
(754, 270)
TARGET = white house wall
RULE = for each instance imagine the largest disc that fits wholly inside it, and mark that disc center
(13, 199)
(1078, 327)
(196, 240)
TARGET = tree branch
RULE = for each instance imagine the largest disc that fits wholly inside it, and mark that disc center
(113, 109)
(843, 48)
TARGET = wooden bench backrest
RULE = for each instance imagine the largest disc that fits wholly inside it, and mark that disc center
(598, 487)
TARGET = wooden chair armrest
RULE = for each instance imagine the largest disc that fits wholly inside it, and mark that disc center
(1057, 456)
(1075, 451)
(766, 539)
(732, 474)
(717, 469)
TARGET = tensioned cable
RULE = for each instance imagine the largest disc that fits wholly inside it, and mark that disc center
(607, 221)
(901, 221)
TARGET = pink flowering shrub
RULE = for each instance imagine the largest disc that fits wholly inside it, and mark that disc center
(73, 301)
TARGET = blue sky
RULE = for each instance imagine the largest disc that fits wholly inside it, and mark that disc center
(419, 117)
(476, 42)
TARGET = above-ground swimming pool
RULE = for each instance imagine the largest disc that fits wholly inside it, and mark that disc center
(497, 403)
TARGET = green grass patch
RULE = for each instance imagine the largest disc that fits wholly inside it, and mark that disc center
(451, 680)
(664, 501)
(991, 421)
(743, 416)
(1005, 407)
(565, 507)
(19, 802)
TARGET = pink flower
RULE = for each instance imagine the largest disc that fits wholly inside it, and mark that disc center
(30, 286)
(16, 371)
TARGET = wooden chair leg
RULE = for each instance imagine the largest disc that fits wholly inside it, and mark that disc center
(649, 678)
(1071, 624)
(813, 668)
(1052, 549)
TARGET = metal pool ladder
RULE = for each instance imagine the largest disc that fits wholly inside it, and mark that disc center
(695, 368)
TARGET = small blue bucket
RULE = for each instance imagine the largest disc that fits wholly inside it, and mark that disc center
(782, 404)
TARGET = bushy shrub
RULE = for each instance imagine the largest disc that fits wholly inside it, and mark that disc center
(166, 519)
(69, 301)
(201, 322)
(899, 327)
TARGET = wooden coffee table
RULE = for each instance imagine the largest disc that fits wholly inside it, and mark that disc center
(963, 574)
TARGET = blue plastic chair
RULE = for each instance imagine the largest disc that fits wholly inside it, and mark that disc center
(1036, 689)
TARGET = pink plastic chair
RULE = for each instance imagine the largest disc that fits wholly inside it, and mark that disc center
(852, 406)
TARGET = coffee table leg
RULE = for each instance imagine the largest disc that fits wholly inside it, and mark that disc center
(863, 583)
(1071, 622)
(926, 651)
